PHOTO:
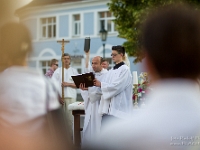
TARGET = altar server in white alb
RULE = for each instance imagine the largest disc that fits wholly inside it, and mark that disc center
(70, 91)
(116, 87)
(171, 120)
(92, 96)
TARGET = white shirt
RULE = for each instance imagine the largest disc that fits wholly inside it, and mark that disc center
(68, 91)
(171, 120)
(23, 95)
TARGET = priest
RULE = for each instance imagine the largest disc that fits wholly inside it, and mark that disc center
(91, 97)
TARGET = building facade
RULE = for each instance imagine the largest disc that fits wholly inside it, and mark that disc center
(73, 20)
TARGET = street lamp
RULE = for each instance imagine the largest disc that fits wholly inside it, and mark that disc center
(103, 34)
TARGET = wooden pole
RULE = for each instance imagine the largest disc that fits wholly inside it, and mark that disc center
(62, 49)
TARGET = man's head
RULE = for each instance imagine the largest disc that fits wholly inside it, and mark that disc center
(171, 41)
(105, 64)
(118, 53)
(54, 64)
(66, 59)
(15, 44)
(96, 63)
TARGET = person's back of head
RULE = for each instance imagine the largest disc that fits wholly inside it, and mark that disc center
(15, 44)
(171, 40)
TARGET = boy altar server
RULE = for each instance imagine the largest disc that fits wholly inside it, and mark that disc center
(116, 87)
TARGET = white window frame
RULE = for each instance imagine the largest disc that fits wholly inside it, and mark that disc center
(46, 65)
(46, 25)
(76, 23)
(106, 19)
(77, 65)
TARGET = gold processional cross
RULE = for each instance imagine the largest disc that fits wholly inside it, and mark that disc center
(62, 42)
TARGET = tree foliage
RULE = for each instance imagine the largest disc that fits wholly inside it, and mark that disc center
(129, 14)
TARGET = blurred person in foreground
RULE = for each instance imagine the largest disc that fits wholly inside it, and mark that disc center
(171, 121)
(27, 98)
(53, 67)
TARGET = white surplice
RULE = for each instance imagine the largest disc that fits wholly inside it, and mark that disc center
(92, 122)
(116, 90)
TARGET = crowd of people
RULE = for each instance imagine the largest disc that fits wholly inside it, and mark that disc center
(34, 115)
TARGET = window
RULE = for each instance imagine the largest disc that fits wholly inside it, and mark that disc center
(45, 65)
(76, 62)
(76, 25)
(48, 28)
(106, 19)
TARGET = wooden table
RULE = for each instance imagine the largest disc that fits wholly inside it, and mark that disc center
(77, 128)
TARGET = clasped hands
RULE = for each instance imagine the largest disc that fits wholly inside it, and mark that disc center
(96, 83)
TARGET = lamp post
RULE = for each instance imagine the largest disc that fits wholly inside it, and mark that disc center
(103, 34)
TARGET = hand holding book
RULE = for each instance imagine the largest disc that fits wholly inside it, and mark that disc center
(97, 83)
(86, 78)
(82, 86)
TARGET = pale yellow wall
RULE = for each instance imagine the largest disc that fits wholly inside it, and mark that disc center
(8, 7)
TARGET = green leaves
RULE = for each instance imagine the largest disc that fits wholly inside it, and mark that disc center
(129, 15)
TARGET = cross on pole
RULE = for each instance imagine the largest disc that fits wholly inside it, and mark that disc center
(62, 42)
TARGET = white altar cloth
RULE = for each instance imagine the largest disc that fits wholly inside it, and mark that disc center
(76, 106)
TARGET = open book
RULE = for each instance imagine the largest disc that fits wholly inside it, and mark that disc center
(86, 78)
